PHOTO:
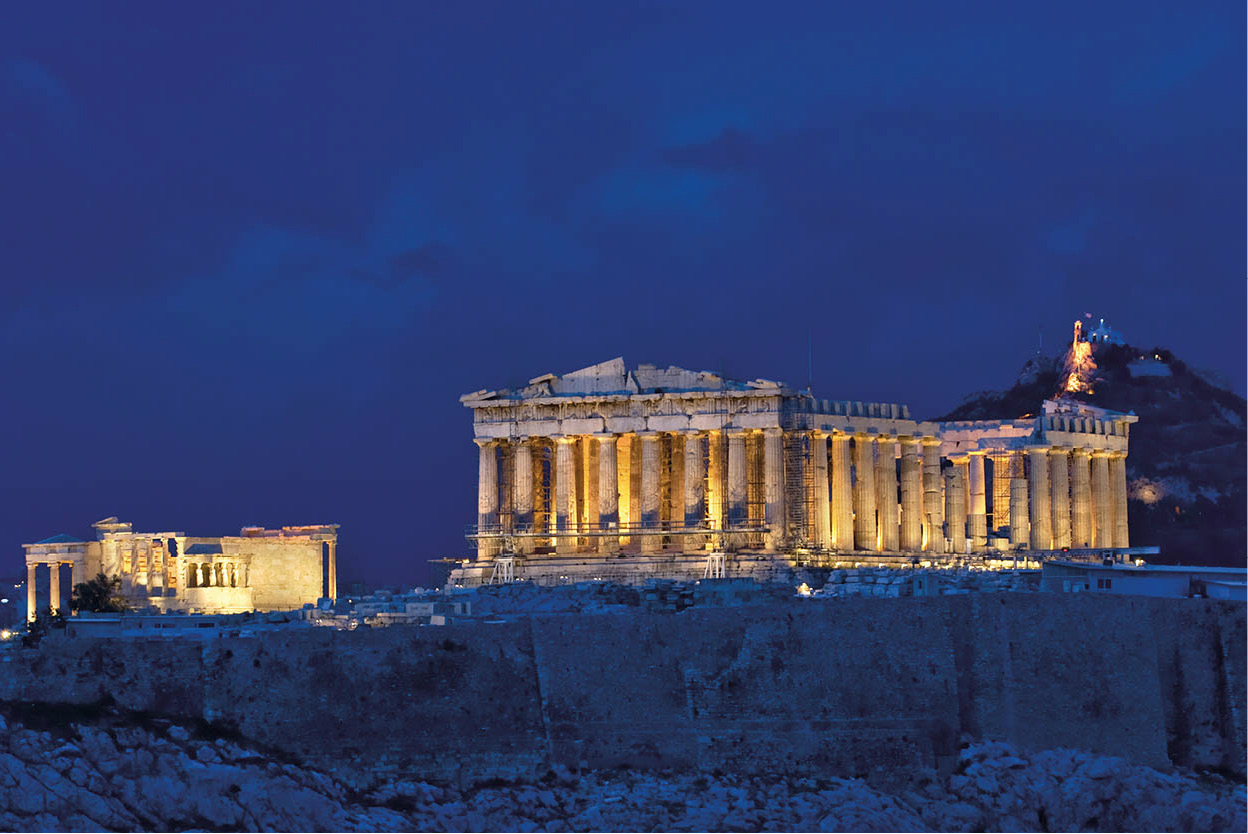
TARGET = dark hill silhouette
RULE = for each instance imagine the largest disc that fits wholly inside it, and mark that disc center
(1187, 466)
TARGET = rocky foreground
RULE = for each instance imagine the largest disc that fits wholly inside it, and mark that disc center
(124, 771)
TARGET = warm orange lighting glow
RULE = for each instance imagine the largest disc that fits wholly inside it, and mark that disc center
(1079, 365)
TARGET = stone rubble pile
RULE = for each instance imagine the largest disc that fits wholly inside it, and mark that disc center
(891, 582)
(150, 774)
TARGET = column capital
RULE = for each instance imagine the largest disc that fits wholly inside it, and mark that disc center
(959, 458)
(930, 440)
(735, 433)
(647, 435)
(1039, 449)
(977, 452)
(604, 435)
(772, 431)
(563, 438)
(1102, 453)
(482, 442)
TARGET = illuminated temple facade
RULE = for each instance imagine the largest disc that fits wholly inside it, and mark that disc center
(257, 570)
(608, 472)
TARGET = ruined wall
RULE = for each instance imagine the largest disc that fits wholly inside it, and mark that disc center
(841, 687)
(283, 574)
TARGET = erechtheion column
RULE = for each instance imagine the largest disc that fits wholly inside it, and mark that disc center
(977, 512)
(565, 493)
(1118, 490)
(331, 572)
(865, 530)
(911, 538)
(77, 573)
(932, 509)
(1059, 481)
(819, 482)
(1019, 527)
(54, 586)
(1080, 499)
(32, 608)
(608, 493)
(1041, 499)
(487, 496)
(773, 477)
(842, 494)
(1102, 520)
(522, 492)
(955, 509)
(886, 492)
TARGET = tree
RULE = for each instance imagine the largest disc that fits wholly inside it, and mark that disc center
(103, 593)
(38, 628)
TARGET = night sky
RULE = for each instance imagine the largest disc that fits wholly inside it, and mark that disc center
(252, 253)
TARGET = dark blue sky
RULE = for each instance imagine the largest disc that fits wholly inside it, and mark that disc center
(253, 252)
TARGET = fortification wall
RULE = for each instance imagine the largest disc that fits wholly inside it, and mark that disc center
(840, 688)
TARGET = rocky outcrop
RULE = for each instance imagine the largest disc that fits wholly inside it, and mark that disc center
(112, 769)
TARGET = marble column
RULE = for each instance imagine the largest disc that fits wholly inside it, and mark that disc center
(652, 541)
(1019, 527)
(77, 572)
(911, 538)
(842, 494)
(695, 491)
(1041, 495)
(487, 496)
(715, 479)
(148, 559)
(676, 487)
(608, 493)
(738, 487)
(331, 572)
(886, 493)
(773, 479)
(565, 493)
(589, 483)
(522, 490)
(1059, 483)
(819, 482)
(1102, 521)
(1118, 490)
(865, 531)
(32, 608)
(1080, 499)
(54, 586)
(933, 510)
(955, 509)
(977, 513)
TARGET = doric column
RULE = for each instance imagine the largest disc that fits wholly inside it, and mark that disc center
(1019, 527)
(819, 482)
(1118, 490)
(32, 608)
(773, 485)
(738, 487)
(694, 490)
(911, 538)
(1059, 492)
(148, 559)
(522, 490)
(652, 541)
(676, 487)
(1080, 499)
(331, 571)
(54, 586)
(1102, 521)
(865, 531)
(933, 510)
(565, 493)
(589, 483)
(842, 494)
(608, 493)
(1041, 504)
(955, 509)
(886, 492)
(487, 495)
(715, 479)
(977, 513)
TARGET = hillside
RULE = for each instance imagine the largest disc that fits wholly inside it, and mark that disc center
(1187, 467)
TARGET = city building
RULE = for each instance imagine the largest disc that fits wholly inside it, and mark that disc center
(613, 473)
(257, 570)
(1115, 576)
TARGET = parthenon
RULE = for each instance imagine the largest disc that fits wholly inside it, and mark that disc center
(257, 570)
(607, 464)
